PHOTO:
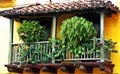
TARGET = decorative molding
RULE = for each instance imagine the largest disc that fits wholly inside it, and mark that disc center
(14, 68)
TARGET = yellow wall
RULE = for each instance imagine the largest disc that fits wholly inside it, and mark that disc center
(16, 38)
(112, 30)
(59, 22)
(7, 3)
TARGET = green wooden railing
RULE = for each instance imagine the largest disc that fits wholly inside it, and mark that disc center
(43, 47)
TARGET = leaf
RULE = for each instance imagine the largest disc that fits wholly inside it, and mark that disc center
(34, 62)
(92, 50)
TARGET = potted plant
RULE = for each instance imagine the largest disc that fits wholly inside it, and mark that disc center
(76, 33)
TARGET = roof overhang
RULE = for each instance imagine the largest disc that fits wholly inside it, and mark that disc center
(81, 6)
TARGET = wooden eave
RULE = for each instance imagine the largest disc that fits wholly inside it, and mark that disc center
(60, 8)
(85, 11)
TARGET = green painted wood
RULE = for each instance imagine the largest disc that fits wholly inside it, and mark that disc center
(102, 35)
(54, 26)
(54, 33)
(10, 40)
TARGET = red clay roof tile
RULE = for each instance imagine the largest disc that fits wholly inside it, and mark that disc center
(59, 7)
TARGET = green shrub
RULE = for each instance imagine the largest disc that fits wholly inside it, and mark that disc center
(31, 31)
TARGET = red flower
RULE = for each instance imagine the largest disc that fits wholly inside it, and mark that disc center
(100, 44)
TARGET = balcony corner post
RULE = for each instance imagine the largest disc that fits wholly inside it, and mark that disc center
(10, 40)
(54, 33)
(102, 35)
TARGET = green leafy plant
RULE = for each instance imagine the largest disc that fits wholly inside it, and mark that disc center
(75, 32)
(58, 50)
(27, 51)
(32, 52)
(31, 31)
(108, 46)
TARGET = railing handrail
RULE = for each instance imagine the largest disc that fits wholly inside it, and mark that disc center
(31, 42)
(42, 42)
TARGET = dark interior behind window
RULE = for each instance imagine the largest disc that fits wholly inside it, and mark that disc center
(95, 18)
(47, 22)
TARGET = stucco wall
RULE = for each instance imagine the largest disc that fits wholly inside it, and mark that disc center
(112, 31)
(16, 38)
(59, 22)
(4, 43)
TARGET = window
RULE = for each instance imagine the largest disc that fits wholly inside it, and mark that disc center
(47, 22)
(48, 26)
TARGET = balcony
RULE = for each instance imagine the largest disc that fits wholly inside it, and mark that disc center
(22, 56)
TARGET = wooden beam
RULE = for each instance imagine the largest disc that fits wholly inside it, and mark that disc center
(67, 69)
(14, 68)
(49, 69)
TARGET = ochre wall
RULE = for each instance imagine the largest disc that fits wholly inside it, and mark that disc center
(7, 3)
(16, 38)
(59, 22)
(112, 31)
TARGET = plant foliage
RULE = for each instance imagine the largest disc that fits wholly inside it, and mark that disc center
(57, 50)
(31, 31)
(34, 51)
(110, 45)
(75, 32)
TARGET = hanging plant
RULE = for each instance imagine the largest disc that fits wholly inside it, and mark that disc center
(31, 31)
(75, 32)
